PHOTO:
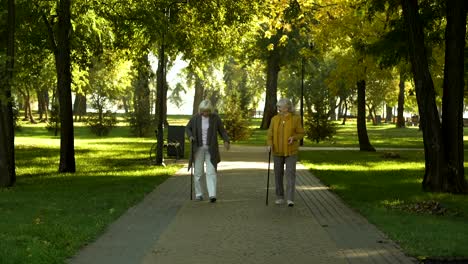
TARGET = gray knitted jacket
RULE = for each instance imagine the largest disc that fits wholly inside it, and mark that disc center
(194, 129)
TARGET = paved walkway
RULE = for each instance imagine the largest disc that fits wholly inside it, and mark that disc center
(168, 228)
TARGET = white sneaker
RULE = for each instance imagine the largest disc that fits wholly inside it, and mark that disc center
(279, 201)
(290, 203)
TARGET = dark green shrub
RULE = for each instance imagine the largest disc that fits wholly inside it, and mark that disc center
(141, 124)
(53, 124)
(236, 120)
(101, 125)
(16, 124)
(236, 127)
(318, 127)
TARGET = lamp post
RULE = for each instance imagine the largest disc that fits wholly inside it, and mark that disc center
(310, 47)
(302, 97)
(161, 87)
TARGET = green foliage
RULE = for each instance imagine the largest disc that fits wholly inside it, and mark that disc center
(53, 124)
(141, 124)
(101, 124)
(236, 120)
(238, 101)
(16, 124)
(236, 78)
(237, 127)
(318, 127)
(140, 119)
(106, 77)
(318, 124)
(176, 97)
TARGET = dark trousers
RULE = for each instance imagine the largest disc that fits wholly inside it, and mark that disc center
(290, 162)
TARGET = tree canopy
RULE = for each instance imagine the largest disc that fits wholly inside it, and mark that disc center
(350, 55)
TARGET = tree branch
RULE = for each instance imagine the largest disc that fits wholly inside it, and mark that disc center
(50, 30)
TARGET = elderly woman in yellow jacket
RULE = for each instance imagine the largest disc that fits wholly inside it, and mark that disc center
(283, 138)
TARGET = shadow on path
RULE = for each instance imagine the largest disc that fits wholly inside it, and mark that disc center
(168, 228)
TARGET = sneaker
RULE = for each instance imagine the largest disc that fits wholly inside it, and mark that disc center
(213, 200)
(290, 203)
(279, 201)
(199, 198)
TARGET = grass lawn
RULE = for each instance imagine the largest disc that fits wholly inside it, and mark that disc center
(380, 136)
(388, 193)
(46, 217)
(346, 136)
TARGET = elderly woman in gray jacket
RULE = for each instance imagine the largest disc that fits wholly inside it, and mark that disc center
(202, 129)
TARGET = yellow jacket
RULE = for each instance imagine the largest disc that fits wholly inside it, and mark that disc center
(281, 129)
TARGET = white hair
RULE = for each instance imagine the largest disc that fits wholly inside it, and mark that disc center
(204, 106)
(286, 102)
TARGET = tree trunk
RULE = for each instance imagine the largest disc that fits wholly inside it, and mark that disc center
(401, 103)
(27, 109)
(199, 93)
(452, 101)
(25, 104)
(63, 66)
(54, 113)
(435, 164)
(43, 104)
(40, 108)
(308, 106)
(273, 69)
(340, 108)
(141, 98)
(7, 137)
(364, 143)
(79, 106)
(371, 115)
(332, 111)
(166, 88)
(160, 83)
(389, 116)
(125, 104)
(345, 112)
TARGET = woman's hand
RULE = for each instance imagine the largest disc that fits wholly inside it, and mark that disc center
(227, 146)
(290, 140)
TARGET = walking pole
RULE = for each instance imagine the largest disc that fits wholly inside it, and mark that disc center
(191, 183)
(191, 170)
(268, 177)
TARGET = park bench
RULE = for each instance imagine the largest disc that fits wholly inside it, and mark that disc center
(175, 145)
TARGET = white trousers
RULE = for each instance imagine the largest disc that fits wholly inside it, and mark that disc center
(202, 157)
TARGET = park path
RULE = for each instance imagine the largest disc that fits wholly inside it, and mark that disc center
(168, 228)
